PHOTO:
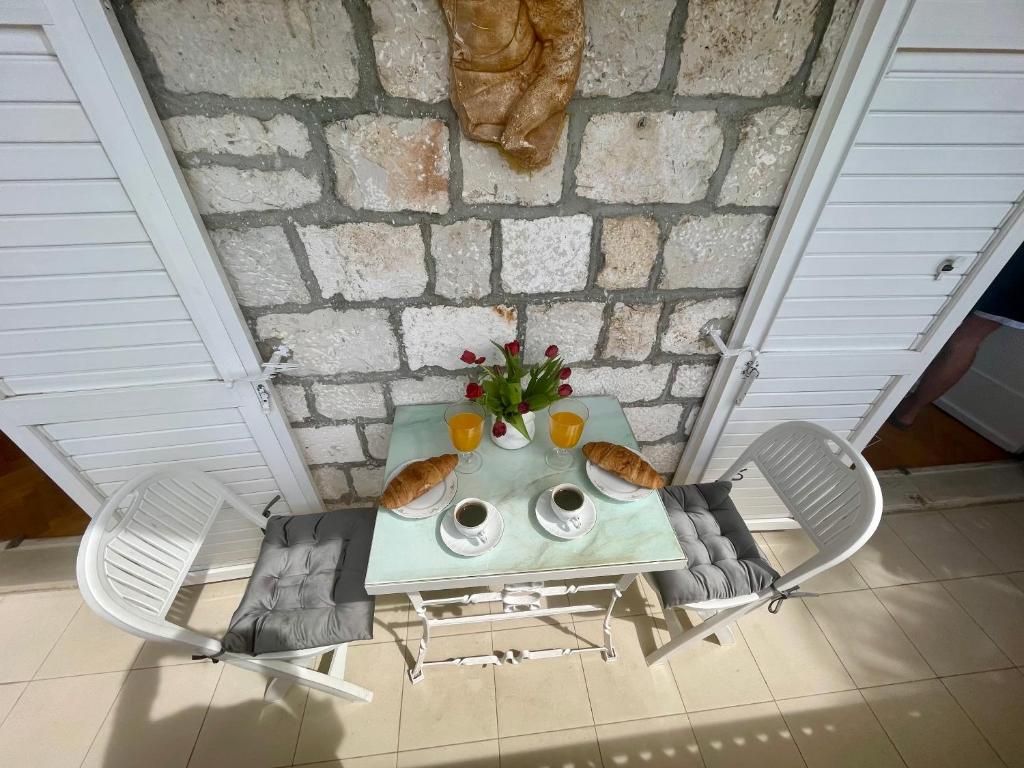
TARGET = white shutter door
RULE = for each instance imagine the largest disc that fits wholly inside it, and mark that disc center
(121, 348)
(930, 172)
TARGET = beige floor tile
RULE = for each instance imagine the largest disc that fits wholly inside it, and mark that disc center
(333, 728)
(995, 703)
(540, 694)
(371, 761)
(626, 688)
(415, 626)
(90, 644)
(997, 604)
(479, 754)
(635, 601)
(155, 719)
(838, 730)
(766, 552)
(659, 742)
(451, 704)
(793, 548)
(946, 552)
(792, 653)
(9, 694)
(871, 645)
(1018, 579)
(951, 641)
(712, 676)
(55, 721)
(886, 561)
(243, 729)
(996, 530)
(390, 619)
(754, 735)
(962, 485)
(30, 625)
(577, 748)
(928, 727)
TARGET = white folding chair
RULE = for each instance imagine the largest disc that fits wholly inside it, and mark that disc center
(828, 488)
(137, 551)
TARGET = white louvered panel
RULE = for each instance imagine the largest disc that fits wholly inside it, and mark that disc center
(79, 259)
(84, 313)
(935, 159)
(26, 162)
(950, 92)
(33, 77)
(76, 196)
(27, 122)
(24, 40)
(900, 128)
(883, 188)
(851, 326)
(912, 216)
(959, 62)
(869, 286)
(862, 306)
(819, 342)
(897, 240)
(111, 378)
(90, 337)
(903, 264)
(71, 229)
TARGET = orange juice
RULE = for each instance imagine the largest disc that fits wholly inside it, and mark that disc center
(465, 430)
(566, 428)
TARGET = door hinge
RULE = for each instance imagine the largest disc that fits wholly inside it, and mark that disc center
(275, 365)
(750, 371)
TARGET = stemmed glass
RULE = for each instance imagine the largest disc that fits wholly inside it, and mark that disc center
(566, 419)
(465, 422)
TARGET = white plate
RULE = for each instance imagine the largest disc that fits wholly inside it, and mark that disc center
(554, 525)
(460, 545)
(613, 486)
(432, 501)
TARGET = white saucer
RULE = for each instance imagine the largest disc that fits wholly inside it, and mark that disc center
(430, 502)
(613, 486)
(553, 524)
(460, 545)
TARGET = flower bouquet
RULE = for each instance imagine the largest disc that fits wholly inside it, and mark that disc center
(499, 388)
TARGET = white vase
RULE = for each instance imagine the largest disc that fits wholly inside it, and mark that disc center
(513, 438)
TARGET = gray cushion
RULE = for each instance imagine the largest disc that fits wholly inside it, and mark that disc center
(306, 589)
(723, 559)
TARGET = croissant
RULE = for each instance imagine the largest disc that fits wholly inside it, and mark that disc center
(416, 479)
(624, 463)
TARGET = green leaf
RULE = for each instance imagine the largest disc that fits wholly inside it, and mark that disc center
(516, 420)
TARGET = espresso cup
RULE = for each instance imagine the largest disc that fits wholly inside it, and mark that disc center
(567, 502)
(471, 517)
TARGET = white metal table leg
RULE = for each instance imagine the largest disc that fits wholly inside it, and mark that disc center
(416, 673)
(621, 586)
(724, 635)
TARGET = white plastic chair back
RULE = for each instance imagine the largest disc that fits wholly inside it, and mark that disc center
(827, 486)
(139, 548)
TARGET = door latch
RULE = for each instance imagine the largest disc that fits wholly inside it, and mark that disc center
(750, 370)
(275, 365)
(945, 266)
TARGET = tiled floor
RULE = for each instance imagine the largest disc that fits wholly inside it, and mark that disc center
(911, 656)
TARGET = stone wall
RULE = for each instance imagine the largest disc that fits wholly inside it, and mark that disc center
(355, 224)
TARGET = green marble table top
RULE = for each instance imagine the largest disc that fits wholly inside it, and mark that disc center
(407, 555)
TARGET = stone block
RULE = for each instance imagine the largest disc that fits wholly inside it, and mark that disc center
(410, 43)
(387, 163)
(770, 141)
(238, 135)
(835, 35)
(268, 49)
(690, 317)
(330, 482)
(653, 422)
(545, 255)
(745, 47)
(367, 482)
(329, 445)
(648, 157)
(692, 379)
(366, 261)
(631, 384)
(350, 401)
(293, 400)
(428, 389)
(219, 189)
(664, 457)
(716, 251)
(632, 331)
(437, 335)
(462, 259)
(260, 266)
(487, 176)
(377, 436)
(625, 46)
(629, 247)
(329, 341)
(573, 325)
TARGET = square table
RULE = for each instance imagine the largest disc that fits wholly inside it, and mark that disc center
(407, 556)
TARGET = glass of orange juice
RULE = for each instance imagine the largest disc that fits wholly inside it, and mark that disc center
(465, 427)
(566, 419)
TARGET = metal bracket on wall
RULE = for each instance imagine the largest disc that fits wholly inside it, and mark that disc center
(750, 371)
(275, 365)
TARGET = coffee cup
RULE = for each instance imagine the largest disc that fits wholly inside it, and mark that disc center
(471, 517)
(567, 502)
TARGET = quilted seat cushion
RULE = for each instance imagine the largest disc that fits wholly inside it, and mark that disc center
(306, 588)
(723, 558)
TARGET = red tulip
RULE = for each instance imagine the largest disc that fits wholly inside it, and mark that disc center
(467, 357)
(564, 391)
(473, 390)
(499, 429)
(523, 407)
(513, 348)
(551, 351)
(565, 373)
(480, 360)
